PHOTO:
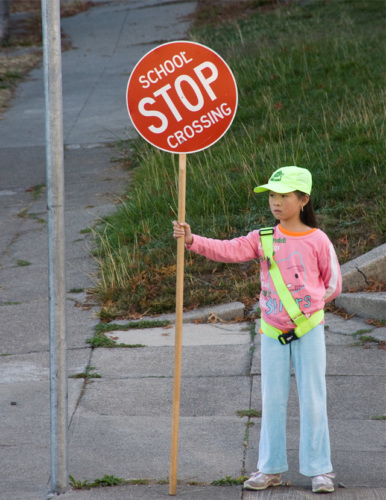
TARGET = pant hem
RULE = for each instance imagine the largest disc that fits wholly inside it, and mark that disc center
(313, 474)
(278, 470)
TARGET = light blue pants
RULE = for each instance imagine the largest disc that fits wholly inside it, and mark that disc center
(308, 356)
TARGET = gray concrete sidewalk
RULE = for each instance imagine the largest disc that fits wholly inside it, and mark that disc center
(120, 423)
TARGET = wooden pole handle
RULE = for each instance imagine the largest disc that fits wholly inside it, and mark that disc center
(178, 328)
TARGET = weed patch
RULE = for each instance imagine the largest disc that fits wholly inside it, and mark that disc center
(79, 485)
(100, 340)
(97, 483)
(36, 190)
(229, 481)
(23, 263)
(132, 325)
(361, 332)
(378, 323)
(87, 374)
(363, 339)
(252, 331)
(109, 481)
(252, 413)
(24, 214)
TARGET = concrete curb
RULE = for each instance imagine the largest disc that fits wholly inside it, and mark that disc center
(364, 305)
(225, 312)
(355, 274)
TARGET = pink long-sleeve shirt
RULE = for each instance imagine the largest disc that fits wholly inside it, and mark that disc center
(307, 262)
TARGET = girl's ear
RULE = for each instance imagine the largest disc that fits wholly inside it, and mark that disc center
(306, 199)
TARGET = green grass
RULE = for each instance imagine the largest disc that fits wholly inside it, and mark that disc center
(229, 481)
(22, 263)
(100, 340)
(311, 82)
(362, 339)
(36, 190)
(131, 325)
(106, 480)
(252, 413)
(87, 374)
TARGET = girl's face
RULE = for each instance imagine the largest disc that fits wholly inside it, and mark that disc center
(285, 207)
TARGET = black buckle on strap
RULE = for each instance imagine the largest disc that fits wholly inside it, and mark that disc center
(287, 338)
(266, 231)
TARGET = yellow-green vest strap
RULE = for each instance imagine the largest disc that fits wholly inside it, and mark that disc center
(309, 323)
(312, 321)
(269, 330)
(266, 238)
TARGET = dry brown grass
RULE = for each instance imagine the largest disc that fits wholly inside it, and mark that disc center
(13, 68)
(25, 6)
(214, 12)
(68, 8)
(23, 52)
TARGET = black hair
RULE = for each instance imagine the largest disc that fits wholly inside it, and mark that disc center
(307, 215)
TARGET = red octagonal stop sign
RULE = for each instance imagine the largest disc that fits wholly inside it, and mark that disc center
(182, 97)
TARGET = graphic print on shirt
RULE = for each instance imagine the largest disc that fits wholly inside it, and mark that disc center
(293, 272)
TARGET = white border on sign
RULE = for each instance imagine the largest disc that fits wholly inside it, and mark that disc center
(234, 81)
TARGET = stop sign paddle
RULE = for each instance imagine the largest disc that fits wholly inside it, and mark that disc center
(182, 97)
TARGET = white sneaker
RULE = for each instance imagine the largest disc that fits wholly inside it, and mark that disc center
(323, 483)
(261, 481)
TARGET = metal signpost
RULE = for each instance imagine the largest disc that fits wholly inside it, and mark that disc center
(181, 98)
(56, 247)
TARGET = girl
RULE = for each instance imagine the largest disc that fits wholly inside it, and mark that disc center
(308, 264)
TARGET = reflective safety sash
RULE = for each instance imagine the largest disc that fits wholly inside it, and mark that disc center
(303, 324)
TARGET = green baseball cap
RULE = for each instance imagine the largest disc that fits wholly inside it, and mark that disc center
(288, 179)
